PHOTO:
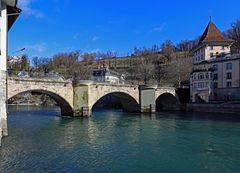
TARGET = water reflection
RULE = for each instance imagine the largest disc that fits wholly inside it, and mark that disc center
(42, 141)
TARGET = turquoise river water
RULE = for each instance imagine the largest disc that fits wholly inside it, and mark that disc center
(170, 142)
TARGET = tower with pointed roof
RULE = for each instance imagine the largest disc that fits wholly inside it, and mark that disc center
(216, 71)
(212, 44)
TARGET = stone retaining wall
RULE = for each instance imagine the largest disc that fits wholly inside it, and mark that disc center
(216, 108)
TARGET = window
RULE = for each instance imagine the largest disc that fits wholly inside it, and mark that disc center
(201, 85)
(211, 54)
(229, 75)
(207, 84)
(195, 76)
(200, 76)
(211, 75)
(229, 66)
(211, 47)
(215, 76)
(215, 67)
(215, 85)
(223, 47)
(207, 75)
(229, 84)
(195, 85)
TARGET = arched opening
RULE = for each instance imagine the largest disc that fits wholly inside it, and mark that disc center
(47, 97)
(166, 101)
(117, 101)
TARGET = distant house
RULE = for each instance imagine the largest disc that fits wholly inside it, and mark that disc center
(107, 75)
(23, 74)
(216, 71)
(14, 59)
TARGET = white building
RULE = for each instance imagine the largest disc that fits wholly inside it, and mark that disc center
(216, 72)
(107, 76)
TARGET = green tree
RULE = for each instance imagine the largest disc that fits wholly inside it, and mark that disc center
(24, 62)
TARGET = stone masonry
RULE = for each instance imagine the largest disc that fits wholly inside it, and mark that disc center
(3, 107)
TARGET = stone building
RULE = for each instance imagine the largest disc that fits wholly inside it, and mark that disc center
(106, 75)
(216, 71)
(9, 13)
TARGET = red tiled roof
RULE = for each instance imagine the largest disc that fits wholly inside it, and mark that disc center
(213, 34)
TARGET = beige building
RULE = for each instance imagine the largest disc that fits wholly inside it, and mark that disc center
(216, 72)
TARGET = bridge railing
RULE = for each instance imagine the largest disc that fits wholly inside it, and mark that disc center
(35, 75)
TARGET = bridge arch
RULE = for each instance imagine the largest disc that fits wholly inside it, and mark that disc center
(66, 108)
(128, 102)
(60, 91)
(166, 101)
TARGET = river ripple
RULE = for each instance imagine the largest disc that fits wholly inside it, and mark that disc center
(41, 141)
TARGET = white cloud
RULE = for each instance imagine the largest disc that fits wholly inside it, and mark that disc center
(38, 47)
(95, 50)
(25, 5)
(95, 38)
(159, 28)
(76, 36)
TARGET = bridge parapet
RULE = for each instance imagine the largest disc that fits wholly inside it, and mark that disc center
(50, 80)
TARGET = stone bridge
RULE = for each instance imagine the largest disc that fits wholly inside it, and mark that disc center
(72, 97)
(60, 91)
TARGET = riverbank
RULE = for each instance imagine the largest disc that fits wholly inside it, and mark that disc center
(231, 108)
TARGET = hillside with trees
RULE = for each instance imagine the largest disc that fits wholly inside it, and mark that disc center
(166, 64)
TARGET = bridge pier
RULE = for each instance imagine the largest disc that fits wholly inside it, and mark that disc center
(81, 101)
(147, 98)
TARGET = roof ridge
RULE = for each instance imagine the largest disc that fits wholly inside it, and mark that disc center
(212, 33)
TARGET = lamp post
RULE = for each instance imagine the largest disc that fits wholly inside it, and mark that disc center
(3, 64)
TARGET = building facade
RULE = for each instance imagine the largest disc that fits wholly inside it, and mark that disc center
(216, 71)
(106, 75)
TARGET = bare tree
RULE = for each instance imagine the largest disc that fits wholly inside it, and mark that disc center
(146, 70)
(35, 62)
(234, 33)
(159, 71)
(167, 49)
(179, 69)
(88, 57)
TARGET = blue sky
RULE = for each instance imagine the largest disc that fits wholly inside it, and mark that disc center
(47, 27)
